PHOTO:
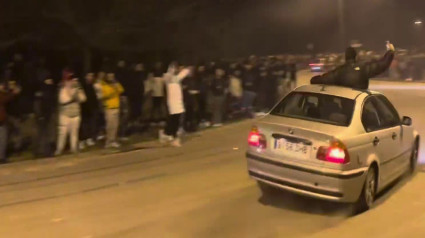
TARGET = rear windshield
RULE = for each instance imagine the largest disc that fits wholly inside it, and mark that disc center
(316, 107)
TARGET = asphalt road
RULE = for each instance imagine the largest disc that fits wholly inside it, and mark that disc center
(199, 190)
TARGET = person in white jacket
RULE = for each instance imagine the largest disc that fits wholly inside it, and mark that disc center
(175, 104)
(71, 95)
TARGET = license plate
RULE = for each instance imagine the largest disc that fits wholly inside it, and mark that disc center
(298, 149)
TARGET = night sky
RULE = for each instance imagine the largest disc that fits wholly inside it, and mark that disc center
(213, 28)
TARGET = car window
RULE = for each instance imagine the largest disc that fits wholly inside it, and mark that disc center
(387, 113)
(313, 100)
(316, 107)
(370, 116)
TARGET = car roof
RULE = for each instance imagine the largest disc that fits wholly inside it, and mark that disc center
(338, 91)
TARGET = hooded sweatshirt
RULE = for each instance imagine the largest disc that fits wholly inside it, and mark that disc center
(353, 74)
(175, 92)
(70, 98)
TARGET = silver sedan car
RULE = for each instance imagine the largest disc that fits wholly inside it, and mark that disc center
(332, 143)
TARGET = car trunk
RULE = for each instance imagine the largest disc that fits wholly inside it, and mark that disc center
(295, 140)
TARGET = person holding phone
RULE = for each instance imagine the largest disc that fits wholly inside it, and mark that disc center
(354, 74)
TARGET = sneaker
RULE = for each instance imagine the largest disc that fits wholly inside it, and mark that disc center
(90, 142)
(114, 145)
(100, 137)
(204, 124)
(163, 138)
(176, 143)
(181, 132)
(218, 125)
(81, 145)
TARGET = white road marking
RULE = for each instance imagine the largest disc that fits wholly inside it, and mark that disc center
(6, 172)
(32, 169)
(63, 165)
(56, 220)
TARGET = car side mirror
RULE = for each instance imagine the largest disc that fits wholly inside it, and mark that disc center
(407, 121)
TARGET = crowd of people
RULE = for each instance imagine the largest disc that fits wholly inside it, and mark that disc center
(408, 67)
(120, 100)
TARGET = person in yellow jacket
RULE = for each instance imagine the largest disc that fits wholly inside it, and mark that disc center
(109, 94)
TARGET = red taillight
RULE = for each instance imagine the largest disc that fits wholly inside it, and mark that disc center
(256, 139)
(335, 153)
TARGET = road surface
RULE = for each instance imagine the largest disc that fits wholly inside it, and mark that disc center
(199, 190)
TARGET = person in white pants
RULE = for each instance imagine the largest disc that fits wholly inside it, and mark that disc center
(70, 96)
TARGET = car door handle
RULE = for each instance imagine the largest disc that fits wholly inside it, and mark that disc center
(394, 136)
(376, 141)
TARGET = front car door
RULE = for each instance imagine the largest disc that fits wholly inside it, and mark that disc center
(391, 120)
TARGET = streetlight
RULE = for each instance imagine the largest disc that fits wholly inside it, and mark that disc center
(418, 32)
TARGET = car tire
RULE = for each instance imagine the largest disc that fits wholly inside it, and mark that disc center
(367, 197)
(414, 157)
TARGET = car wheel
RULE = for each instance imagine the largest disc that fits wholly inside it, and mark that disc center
(414, 156)
(367, 197)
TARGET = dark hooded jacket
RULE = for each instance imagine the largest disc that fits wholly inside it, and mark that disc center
(353, 74)
(250, 80)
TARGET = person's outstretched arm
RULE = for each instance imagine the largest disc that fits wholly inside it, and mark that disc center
(375, 68)
(329, 78)
(183, 74)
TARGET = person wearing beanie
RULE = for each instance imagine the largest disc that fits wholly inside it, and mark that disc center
(71, 95)
(353, 74)
(90, 112)
(250, 87)
(219, 88)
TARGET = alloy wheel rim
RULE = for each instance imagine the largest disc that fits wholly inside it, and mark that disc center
(370, 188)
(415, 156)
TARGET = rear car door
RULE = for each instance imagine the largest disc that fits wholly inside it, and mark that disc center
(379, 138)
(392, 125)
